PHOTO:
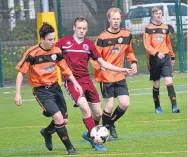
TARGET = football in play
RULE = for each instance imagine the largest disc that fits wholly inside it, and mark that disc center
(99, 134)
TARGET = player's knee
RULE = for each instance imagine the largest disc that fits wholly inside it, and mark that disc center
(156, 84)
(109, 106)
(98, 114)
(168, 80)
(124, 104)
(65, 121)
(58, 118)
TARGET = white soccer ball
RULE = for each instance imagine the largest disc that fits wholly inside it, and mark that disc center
(99, 134)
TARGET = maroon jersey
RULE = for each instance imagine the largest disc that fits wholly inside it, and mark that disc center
(77, 54)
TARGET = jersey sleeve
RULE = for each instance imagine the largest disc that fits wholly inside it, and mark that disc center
(24, 64)
(94, 52)
(130, 53)
(147, 43)
(98, 44)
(169, 45)
(95, 55)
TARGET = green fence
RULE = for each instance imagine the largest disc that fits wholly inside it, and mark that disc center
(16, 39)
(11, 54)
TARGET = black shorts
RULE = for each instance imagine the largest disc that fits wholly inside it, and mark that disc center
(114, 89)
(51, 99)
(159, 67)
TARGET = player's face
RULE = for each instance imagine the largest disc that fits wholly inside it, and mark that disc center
(49, 41)
(114, 20)
(80, 29)
(157, 16)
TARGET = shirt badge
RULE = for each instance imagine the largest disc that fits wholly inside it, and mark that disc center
(40, 59)
(115, 50)
(120, 40)
(86, 47)
(109, 42)
(68, 42)
(54, 57)
(164, 31)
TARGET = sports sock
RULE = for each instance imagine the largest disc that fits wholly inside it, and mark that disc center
(116, 115)
(171, 94)
(50, 128)
(156, 97)
(89, 123)
(96, 122)
(105, 118)
(63, 135)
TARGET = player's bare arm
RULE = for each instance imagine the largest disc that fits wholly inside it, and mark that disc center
(19, 80)
(134, 68)
(109, 66)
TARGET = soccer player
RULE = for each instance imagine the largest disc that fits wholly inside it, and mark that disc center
(114, 45)
(161, 58)
(77, 50)
(40, 62)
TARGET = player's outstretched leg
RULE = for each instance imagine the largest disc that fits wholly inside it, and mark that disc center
(175, 109)
(86, 137)
(63, 135)
(98, 147)
(172, 96)
(156, 100)
(48, 139)
(112, 130)
(158, 110)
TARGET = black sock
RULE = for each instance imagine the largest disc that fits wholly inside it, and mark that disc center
(171, 94)
(50, 128)
(105, 118)
(156, 97)
(116, 115)
(96, 122)
(63, 135)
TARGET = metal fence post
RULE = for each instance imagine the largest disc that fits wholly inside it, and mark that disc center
(60, 21)
(1, 67)
(180, 43)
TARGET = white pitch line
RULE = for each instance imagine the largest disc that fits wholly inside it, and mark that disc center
(151, 93)
(139, 94)
(176, 86)
(184, 85)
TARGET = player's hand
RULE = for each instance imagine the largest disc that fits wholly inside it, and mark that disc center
(78, 88)
(161, 55)
(127, 71)
(103, 69)
(134, 68)
(172, 62)
(18, 100)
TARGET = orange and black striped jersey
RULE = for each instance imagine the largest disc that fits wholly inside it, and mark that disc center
(41, 65)
(157, 39)
(114, 48)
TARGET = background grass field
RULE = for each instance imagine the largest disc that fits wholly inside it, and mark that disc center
(142, 133)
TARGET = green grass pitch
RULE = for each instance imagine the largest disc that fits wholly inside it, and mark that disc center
(142, 133)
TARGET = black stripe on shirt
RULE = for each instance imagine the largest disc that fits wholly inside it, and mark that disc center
(157, 31)
(114, 41)
(45, 58)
